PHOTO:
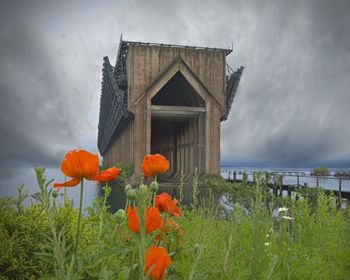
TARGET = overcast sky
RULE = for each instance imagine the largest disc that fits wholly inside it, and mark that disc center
(292, 107)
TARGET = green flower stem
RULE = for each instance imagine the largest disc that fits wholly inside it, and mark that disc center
(102, 211)
(154, 199)
(78, 223)
(65, 192)
(162, 230)
(155, 193)
(141, 250)
(141, 237)
(126, 204)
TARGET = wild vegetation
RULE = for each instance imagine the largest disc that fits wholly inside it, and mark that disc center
(320, 171)
(127, 169)
(235, 232)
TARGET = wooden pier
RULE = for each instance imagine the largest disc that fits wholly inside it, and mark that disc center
(290, 188)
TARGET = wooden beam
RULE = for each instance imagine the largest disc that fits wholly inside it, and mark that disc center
(176, 111)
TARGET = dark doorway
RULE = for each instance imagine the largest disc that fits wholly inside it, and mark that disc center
(177, 140)
(177, 112)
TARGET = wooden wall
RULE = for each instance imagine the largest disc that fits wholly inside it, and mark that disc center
(199, 141)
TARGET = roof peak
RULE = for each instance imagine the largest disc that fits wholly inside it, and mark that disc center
(227, 51)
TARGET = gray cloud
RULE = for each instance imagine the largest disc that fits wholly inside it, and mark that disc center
(292, 106)
(47, 94)
(292, 109)
(32, 118)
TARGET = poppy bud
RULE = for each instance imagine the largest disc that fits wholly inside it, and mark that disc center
(154, 186)
(120, 216)
(131, 194)
(143, 189)
(54, 194)
(127, 188)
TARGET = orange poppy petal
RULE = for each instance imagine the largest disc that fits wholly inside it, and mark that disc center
(165, 204)
(153, 220)
(170, 226)
(108, 175)
(69, 165)
(133, 220)
(157, 261)
(162, 201)
(154, 164)
(80, 164)
(174, 210)
(89, 163)
(173, 227)
(71, 183)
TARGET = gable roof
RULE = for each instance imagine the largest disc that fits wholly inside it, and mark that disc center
(178, 65)
(226, 51)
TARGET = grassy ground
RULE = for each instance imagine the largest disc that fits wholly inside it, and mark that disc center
(248, 238)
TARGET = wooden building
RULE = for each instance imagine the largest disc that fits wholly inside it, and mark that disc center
(166, 99)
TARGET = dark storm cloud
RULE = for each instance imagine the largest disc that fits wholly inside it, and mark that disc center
(31, 113)
(292, 105)
(39, 102)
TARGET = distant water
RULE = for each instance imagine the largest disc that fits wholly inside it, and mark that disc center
(329, 183)
(8, 185)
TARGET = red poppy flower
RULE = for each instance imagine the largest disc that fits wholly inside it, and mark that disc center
(108, 175)
(153, 220)
(170, 227)
(133, 220)
(78, 164)
(164, 203)
(154, 164)
(157, 261)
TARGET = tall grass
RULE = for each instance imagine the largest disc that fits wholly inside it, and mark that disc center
(251, 239)
(308, 241)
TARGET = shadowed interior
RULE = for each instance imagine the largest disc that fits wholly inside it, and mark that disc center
(178, 92)
(177, 136)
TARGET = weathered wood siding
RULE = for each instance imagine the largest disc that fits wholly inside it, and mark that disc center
(121, 149)
(145, 63)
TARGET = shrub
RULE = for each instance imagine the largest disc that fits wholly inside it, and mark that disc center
(127, 170)
(21, 235)
(320, 171)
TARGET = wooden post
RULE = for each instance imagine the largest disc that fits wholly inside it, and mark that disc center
(275, 191)
(289, 191)
(317, 182)
(298, 179)
(281, 185)
(234, 175)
